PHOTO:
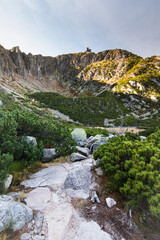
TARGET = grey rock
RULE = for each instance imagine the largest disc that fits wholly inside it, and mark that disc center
(8, 182)
(78, 181)
(77, 157)
(91, 230)
(38, 222)
(82, 144)
(142, 138)
(90, 141)
(79, 135)
(83, 151)
(49, 154)
(99, 171)
(32, 140)
(25, 236)
(110, 202)
(1, 103)
(95, 197)
(100, 140)
(37, 237)
(53, 175)
(13, 214)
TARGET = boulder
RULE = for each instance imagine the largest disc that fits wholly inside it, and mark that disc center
(13, 214)
(79, 135)
(7, 182)
(49, 154)
(78, 181)
(90, 141)
(31, 139)
(77, 157)
(110, 202)
(83, 151)
(100, 140)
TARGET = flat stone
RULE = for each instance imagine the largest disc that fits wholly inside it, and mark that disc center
(38, 198)
(37, 237)
(53, 175)
(83, 151)
(91, 230)
(61, 222)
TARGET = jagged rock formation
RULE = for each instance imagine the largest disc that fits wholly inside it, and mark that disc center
(81, 73)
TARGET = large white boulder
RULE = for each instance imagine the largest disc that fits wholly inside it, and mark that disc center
(79, 135)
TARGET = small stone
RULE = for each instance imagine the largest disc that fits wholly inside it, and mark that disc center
(77, 157)
(95, 198)
(110, 202)
(25, 236)
(7, 182)
(83, 151)
(99, 171)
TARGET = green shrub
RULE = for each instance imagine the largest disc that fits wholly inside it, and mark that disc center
(95, 131)
(5, 161)
(133, 168)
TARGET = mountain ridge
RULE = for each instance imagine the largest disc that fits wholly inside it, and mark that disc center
(81, 73)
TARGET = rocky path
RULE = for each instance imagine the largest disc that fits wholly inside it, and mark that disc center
(53, 189)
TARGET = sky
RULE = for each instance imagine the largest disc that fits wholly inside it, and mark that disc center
(54, 27)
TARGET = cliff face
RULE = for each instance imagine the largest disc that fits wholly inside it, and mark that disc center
(74, 74)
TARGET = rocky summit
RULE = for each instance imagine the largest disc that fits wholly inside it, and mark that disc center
(80, 73)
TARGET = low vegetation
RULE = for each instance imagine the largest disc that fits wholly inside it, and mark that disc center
(133, 169)
(88, 110)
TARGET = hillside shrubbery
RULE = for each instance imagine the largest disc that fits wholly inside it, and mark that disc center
(133, 168)
(88, 110)
(15, 125)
